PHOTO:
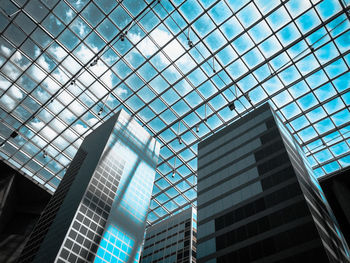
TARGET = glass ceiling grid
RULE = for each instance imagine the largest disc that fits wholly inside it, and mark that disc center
(294, 54)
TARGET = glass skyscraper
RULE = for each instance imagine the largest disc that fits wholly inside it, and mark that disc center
(98, 213)
(172, 240)
(258, 200)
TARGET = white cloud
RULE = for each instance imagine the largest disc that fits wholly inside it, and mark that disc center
(43, 63)
(55, 50)
(85, 54)
(67, 116)
(7, 102)
(17, 56)
(161, 37)
(98, 90)
(11, 71)
(80, 128)
(146, 46)
(91, 122)
(71, 65)
(70, 13)
(58, 74)
(48, 133)
(173, 50)
(4, 83)
(120, 91)
(81, 28)
(77, 108)
(86, 78)
(65, 98)
(36, 73)
(37, 125)
(14, 92)
(50, 85)
(99, 69)
(5, 50)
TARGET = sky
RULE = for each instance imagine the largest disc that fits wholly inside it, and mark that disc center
(266, 51)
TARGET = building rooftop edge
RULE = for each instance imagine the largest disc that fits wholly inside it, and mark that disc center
(266, 106)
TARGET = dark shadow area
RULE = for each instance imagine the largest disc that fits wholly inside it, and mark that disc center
(336, 188)
(21, 203)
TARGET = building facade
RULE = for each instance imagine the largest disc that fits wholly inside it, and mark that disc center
(98, 212)
(258, 200)
(172, 240)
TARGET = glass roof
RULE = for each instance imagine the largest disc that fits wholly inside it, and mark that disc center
(67, 66)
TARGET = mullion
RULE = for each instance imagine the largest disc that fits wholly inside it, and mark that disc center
(291, 84)
(337, 128)
(325, 101)
(189, 24)
(256, 67)
(334, 159)
(36, 132)
(40, 68)
(318, 101)
(172, 185)
(182, 77)
(165, 104)
(214, 54)
(205, 45)
(67, 127)
(293, 131)
(38, 25)
(314, 151)
(185, 77)
(182, 178)
(277, 92)
(279, 41)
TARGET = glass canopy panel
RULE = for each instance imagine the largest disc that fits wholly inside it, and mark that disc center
(175, 66)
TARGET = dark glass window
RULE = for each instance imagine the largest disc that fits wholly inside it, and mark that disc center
(268, 150)
(271, 135)
(262, 225)
(64, 253)
(270, 123)
(267, 247)
(68, 243)
(272, 163)
(72, 258)
(76, 249)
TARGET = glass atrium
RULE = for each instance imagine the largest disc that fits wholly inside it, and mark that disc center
(183, 69)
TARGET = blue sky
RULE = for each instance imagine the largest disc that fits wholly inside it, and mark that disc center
(259, 49)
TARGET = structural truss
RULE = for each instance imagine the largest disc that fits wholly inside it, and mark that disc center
(183, 69)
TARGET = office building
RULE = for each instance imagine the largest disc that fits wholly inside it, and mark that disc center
(185, 69)
(258, 200)
(172, 240)
(336, 187)
(98, 212)
(21, 204)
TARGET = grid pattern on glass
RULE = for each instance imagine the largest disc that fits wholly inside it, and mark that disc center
(122, 238)
(175, 66)
(172, 240)
(49, 214)
(86, 230)
(115, 246)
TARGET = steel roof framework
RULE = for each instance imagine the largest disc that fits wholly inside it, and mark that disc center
(61, 62)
